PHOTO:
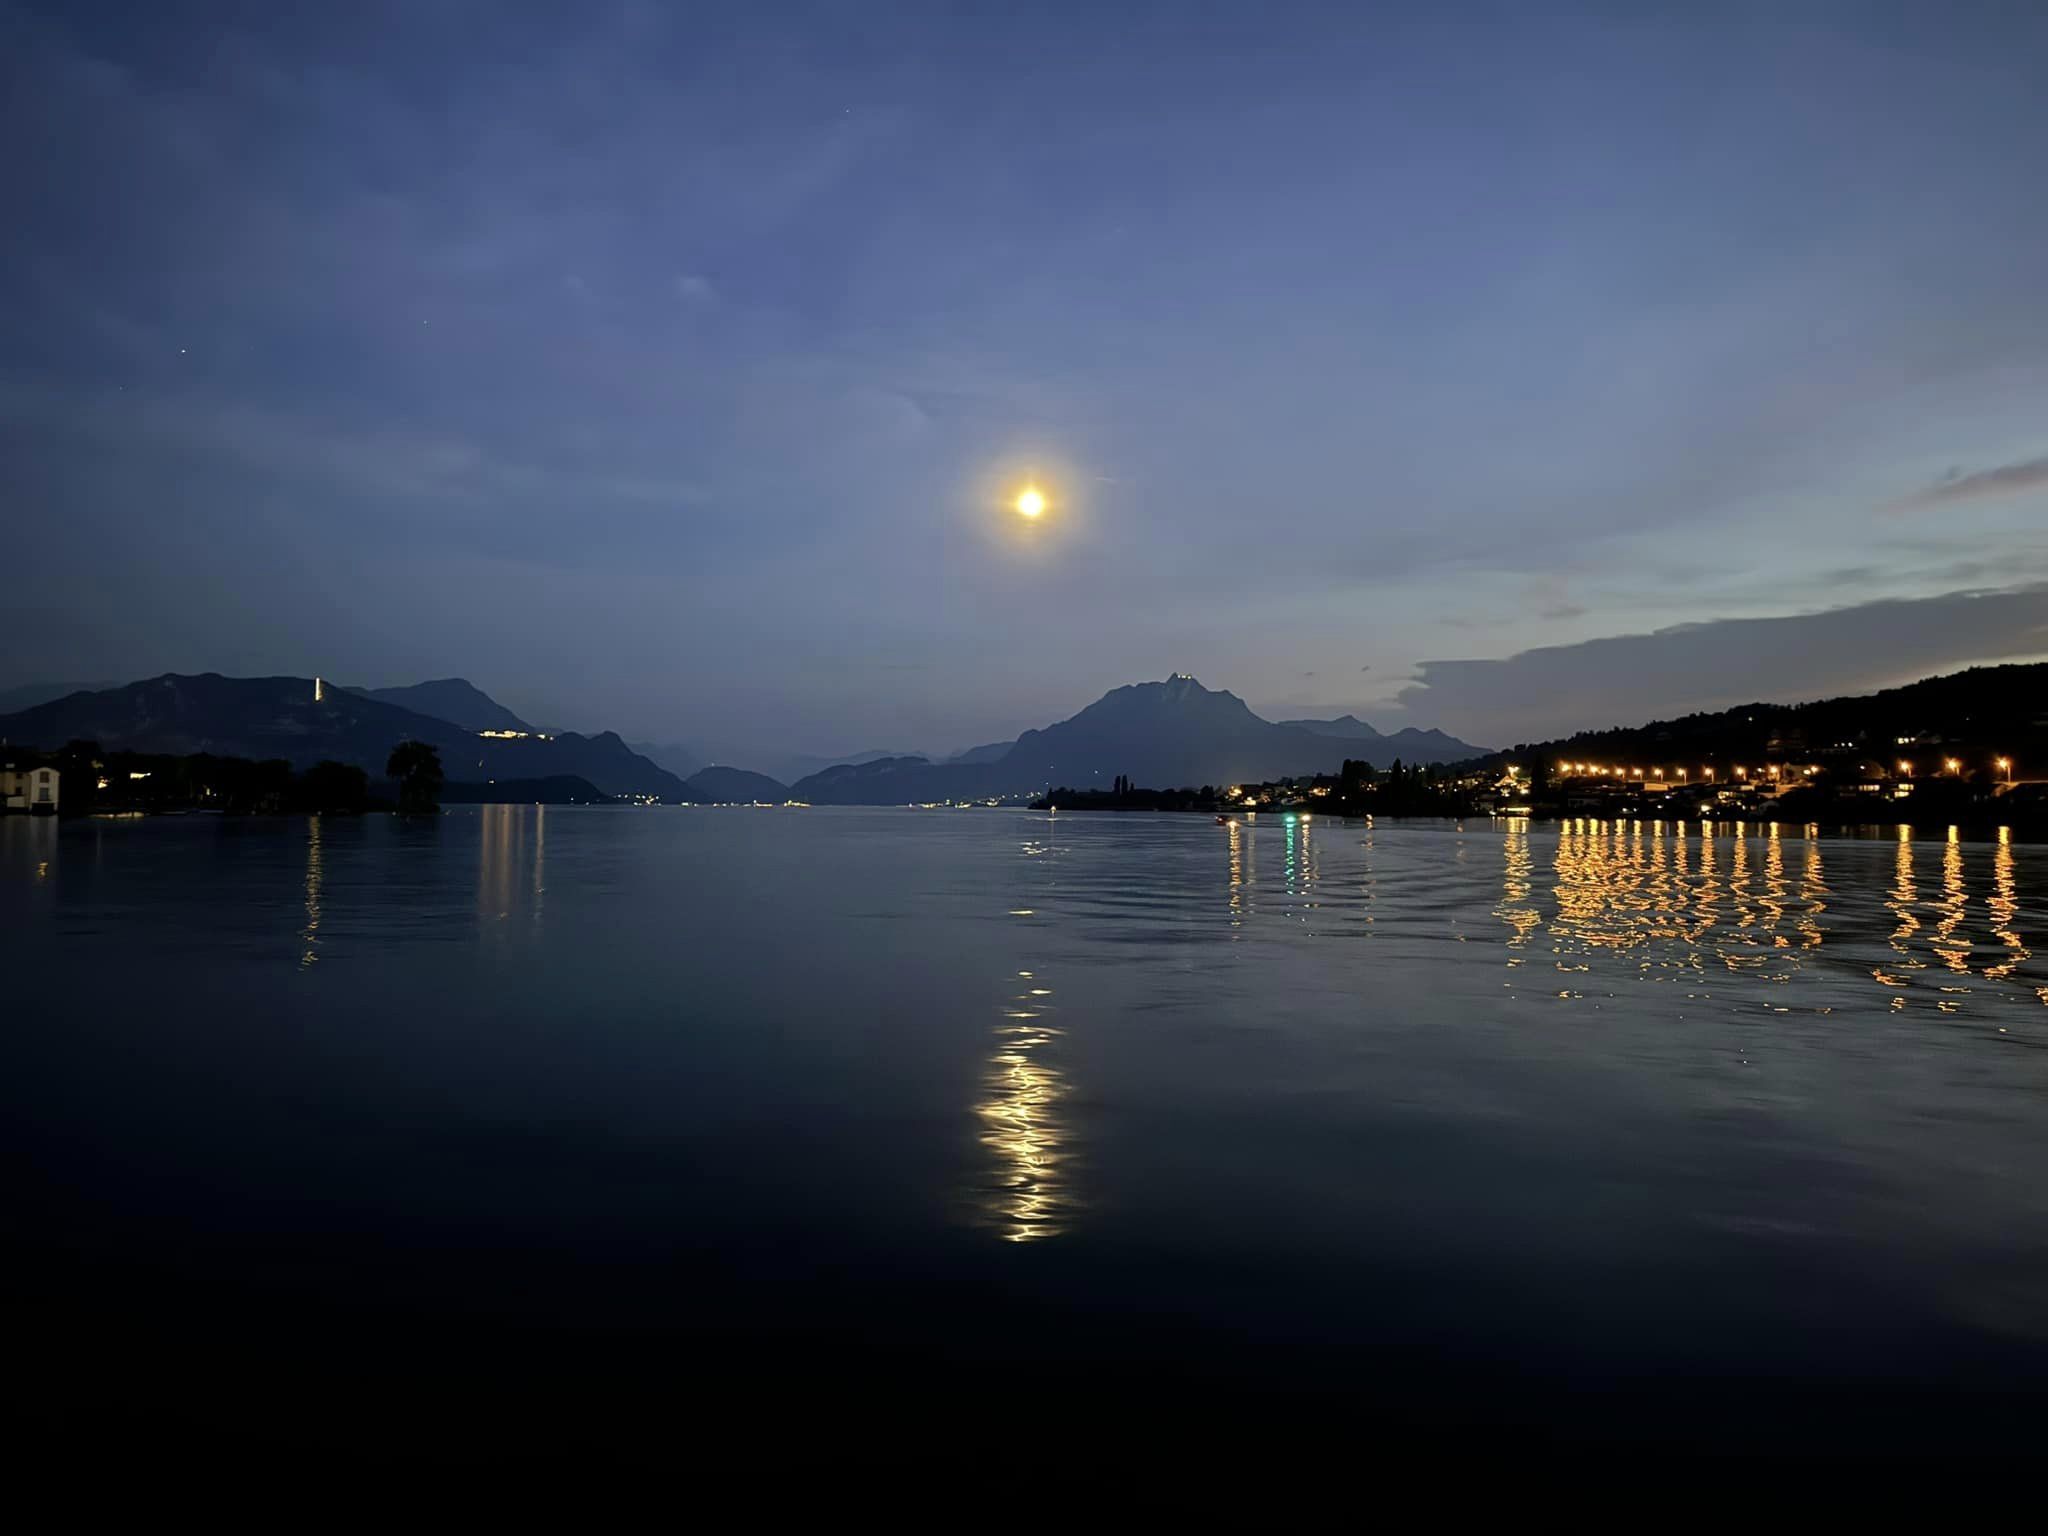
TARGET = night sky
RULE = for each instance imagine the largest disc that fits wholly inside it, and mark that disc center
(665, 367)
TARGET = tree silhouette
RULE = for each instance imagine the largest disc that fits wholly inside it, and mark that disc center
(417, 767)
(332, 786)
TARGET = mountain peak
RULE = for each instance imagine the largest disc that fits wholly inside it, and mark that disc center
(1175, 685)
(1178, 693)
(1350, 727)
(1167, 733)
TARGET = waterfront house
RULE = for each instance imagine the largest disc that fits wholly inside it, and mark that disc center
(28, 789)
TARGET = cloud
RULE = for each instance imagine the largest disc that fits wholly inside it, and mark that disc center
(885, 414)
(2006, 480)
(1628, 679)
(692, 289)
(440, 486)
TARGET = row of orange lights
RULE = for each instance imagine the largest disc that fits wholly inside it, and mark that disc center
(1656, 775)
(1774, 770)
(1955, 765)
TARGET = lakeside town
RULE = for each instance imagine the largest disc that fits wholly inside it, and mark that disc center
(1966, 749)
(1940, 785)
(82, 780)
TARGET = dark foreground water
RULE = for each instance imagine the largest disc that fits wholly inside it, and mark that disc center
(633, 1131)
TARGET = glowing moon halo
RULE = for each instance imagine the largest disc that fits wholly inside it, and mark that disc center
(1030, 502)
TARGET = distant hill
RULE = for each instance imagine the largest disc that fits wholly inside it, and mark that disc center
(278, 717)
(1973, 715)
(1347, 726)
(993, 752)
(1409, 744)
(29, 695)
(1163, 734)
(454, 699)
(792, 766)
(734, 786)
(558, 789)
(888, 781)
(1413, 745)
(603, 759)
(672, 755)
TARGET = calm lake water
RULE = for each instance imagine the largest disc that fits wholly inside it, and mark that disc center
(1735, 1141)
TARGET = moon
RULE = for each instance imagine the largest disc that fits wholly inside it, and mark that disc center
(1030, 502)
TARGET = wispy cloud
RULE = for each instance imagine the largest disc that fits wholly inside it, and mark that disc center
(399, 471)
(1625, 679)
(2005, 480)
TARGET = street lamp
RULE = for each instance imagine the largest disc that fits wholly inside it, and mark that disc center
(2005, 767)
(1905, 768)
(1954, 765)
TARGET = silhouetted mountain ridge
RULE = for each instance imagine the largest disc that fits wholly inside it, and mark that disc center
(279, 717)
(990, 752)
(1169, 733)
(672, 755)
(720, 785)
(29, 695)
(454, 699)
(2001, 709)
(791, 766)
(1348, 726)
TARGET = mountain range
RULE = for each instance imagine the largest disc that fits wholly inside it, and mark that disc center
(734, 786)
(672, 755)
(991, 752)
(792, 766)
(29, 695)
(1409, 744)
(294, 719)
(1164, 734)
(454, 699)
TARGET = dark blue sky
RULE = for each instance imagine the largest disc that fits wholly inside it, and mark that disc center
(663, 366)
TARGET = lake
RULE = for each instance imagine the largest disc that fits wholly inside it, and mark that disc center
(572, 1123)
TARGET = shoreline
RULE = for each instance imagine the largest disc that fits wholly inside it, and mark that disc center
(1860, 831)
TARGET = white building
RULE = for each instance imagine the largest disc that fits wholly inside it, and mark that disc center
(28, 789)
